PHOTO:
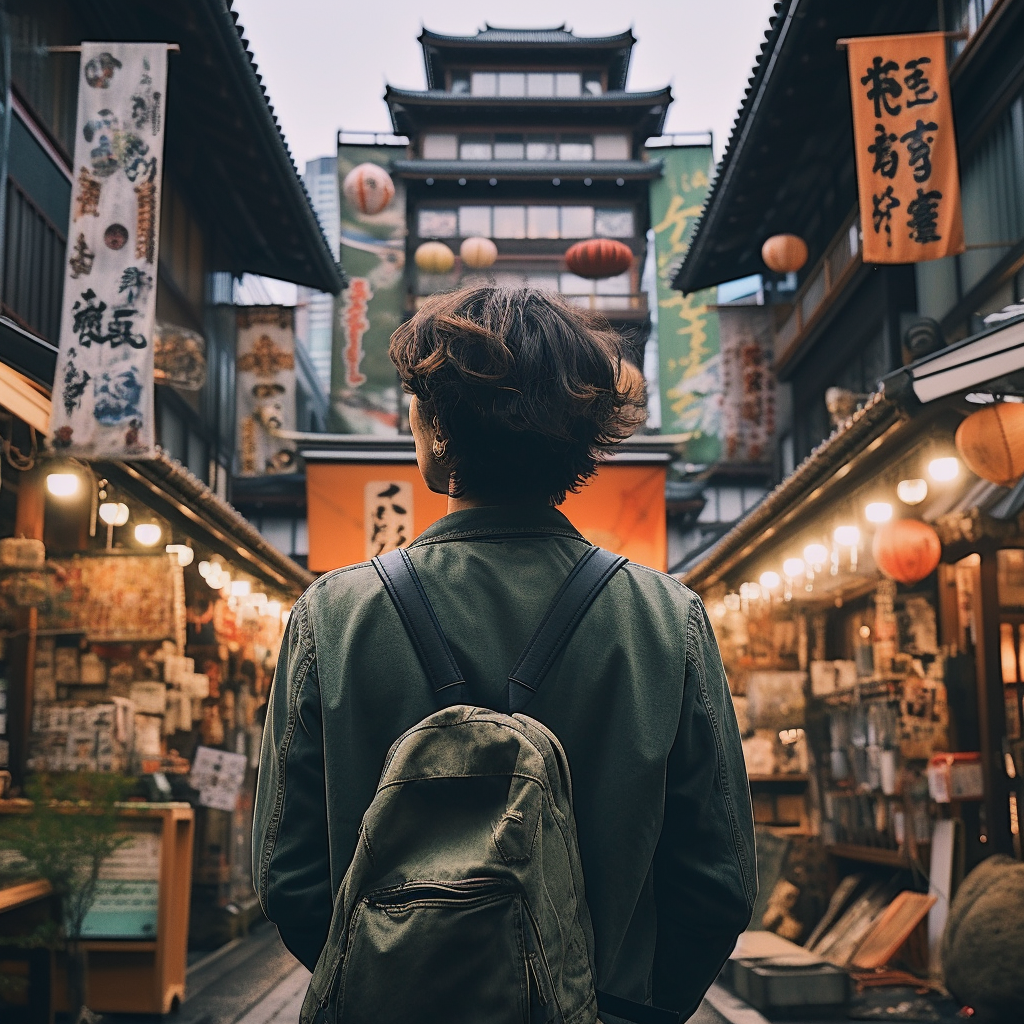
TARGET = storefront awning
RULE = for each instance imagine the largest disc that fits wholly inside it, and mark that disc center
(24, 399)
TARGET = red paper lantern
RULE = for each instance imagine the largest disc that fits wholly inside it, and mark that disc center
(785, 254)
(906, 550)
(368, 188)
(991, 442)
(599, 257)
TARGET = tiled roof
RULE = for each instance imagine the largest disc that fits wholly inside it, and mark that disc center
(559, 36)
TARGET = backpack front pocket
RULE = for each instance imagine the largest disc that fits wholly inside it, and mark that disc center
(444, 951)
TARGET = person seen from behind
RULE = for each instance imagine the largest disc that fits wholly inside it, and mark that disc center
(516, 396)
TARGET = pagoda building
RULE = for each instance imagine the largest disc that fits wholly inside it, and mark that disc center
(528, 137)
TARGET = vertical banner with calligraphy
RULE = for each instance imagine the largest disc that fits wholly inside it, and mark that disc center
(265, 375)
(365, 396)
(103, 386)
(688, 345)
(908, 182)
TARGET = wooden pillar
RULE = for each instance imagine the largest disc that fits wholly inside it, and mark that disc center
(991, 706)
(21, 654)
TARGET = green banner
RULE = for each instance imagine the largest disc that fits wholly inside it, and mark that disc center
(689, 356)
(365, 394)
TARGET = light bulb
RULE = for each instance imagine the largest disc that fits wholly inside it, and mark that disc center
(944, 469)
(204, 568)
(272, 608)
(114, 513)
(258, 599)
(62, 485)
(794, 567)
(183, 553)
(770, 580)
(878, 512)
(848, 536)
(816, 554)
(148, 534)
(240, 588)
(912, 492)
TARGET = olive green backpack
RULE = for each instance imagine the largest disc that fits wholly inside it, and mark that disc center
(464, 900)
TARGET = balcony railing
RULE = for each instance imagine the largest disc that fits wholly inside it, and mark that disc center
(826, 279)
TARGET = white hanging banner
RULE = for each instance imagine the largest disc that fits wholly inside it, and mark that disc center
(103, 387)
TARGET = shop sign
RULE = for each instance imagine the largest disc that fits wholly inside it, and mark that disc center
(364, 386)
(908, 182)
(103, 386)
(748, 384)
(689, 361)
(265, 376)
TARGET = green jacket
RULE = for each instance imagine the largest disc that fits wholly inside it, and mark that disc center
(638, 699)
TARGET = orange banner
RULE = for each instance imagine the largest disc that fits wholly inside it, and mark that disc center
(358, 509)
(908, 182)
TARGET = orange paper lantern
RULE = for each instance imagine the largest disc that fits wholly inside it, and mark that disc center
(368, 188)
(785, 254)
(478, 253)
(599, 257)
(906, 550)
(434, 258)
(991, 442)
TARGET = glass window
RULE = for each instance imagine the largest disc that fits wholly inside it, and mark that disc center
(511, 83)
(613, 223)
(540, 83)
(437, 224)
(440, 147)
(509, 222)
(614, 292)
(509, 279)
(577, 221)
(509, 147)
(567, 83)
(592, 84)
(543, 282)
(460, 82)
(570, 284)
(484, 83)
(541, 147)
(474, 220)
(475, 147)
(611, 147)
(576, 147)
(542, 222)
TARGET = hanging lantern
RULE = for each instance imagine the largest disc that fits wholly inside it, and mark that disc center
(599, 257)
(906, 550)
(368, 188)
(991, 442)
(434, 258)
(478, 253)
(785, 254)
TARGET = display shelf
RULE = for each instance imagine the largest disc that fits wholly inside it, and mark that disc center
(870, 854)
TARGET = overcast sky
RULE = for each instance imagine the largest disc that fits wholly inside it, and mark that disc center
(325, 62)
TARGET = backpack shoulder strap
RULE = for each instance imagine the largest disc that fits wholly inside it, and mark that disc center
(577, 593)
(410, 600)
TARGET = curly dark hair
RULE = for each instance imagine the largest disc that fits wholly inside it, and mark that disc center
(528, 389)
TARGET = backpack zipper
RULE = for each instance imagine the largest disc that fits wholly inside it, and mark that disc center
(412, 893)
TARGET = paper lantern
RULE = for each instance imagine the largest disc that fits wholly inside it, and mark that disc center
(599, 257)
(434, 258)
(906, 550)
(991, 442)
(478, 253)
(784, 254)
(368, 188)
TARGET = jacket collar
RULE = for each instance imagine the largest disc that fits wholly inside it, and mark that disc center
(498, 521)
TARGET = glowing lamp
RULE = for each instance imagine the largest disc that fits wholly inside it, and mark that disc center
(114, 513)
(878, 512)
(62, 485)
(183, 552)
(847, 536)
(241, 588)
(945, 469)
(770, 580)
(273, 609)
(815, 554)
(912, 492)
(794, 567)
(148, 534)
